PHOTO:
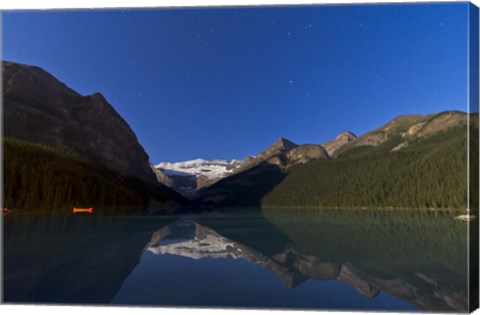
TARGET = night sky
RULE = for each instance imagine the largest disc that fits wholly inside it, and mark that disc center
(226, 83)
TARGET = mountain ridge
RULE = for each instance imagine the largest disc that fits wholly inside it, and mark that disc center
(409, 135)
(398, 134)
(40, 109)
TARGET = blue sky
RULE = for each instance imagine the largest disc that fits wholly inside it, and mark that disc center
(226, 83)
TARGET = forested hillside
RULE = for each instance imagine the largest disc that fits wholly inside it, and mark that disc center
(430, 173)
(40, 178)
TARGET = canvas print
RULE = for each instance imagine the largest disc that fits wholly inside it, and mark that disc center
(318, 157)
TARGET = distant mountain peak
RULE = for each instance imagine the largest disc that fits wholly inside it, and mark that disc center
(348, 135)
(343, 138)
(284, 144)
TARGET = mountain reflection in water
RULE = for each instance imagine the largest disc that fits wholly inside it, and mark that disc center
(265, 258)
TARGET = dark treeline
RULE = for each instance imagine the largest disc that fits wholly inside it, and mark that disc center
(41, 178)
(429, 174)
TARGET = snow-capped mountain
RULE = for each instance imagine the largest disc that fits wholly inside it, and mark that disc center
(211, 169)
(188, 176)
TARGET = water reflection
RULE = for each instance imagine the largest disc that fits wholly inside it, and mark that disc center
(65, 259)
(186, 238)
(272, 258)
(420, 257)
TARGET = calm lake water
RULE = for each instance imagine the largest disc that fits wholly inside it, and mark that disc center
(270, 258)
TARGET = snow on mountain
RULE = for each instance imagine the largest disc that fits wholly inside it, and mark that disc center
(189, 239)
(211, 169)
(208, 246)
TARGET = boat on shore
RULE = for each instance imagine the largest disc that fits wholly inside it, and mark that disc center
(82, 210)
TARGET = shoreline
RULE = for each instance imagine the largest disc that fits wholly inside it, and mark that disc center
(451, 210)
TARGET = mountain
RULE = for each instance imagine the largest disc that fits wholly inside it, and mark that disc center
(210, 169)
(332, 146)
(432, 125)
(187, 176)
(255, 177)
(280, 146)
(85, 130)
(405, 130)
(411, 162)
(382, 134)
(424, 157)
(39, 108)
(285, 153)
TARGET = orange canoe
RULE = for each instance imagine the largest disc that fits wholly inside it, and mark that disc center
(79, 210)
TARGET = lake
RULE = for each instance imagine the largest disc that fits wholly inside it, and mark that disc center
(242, 258)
